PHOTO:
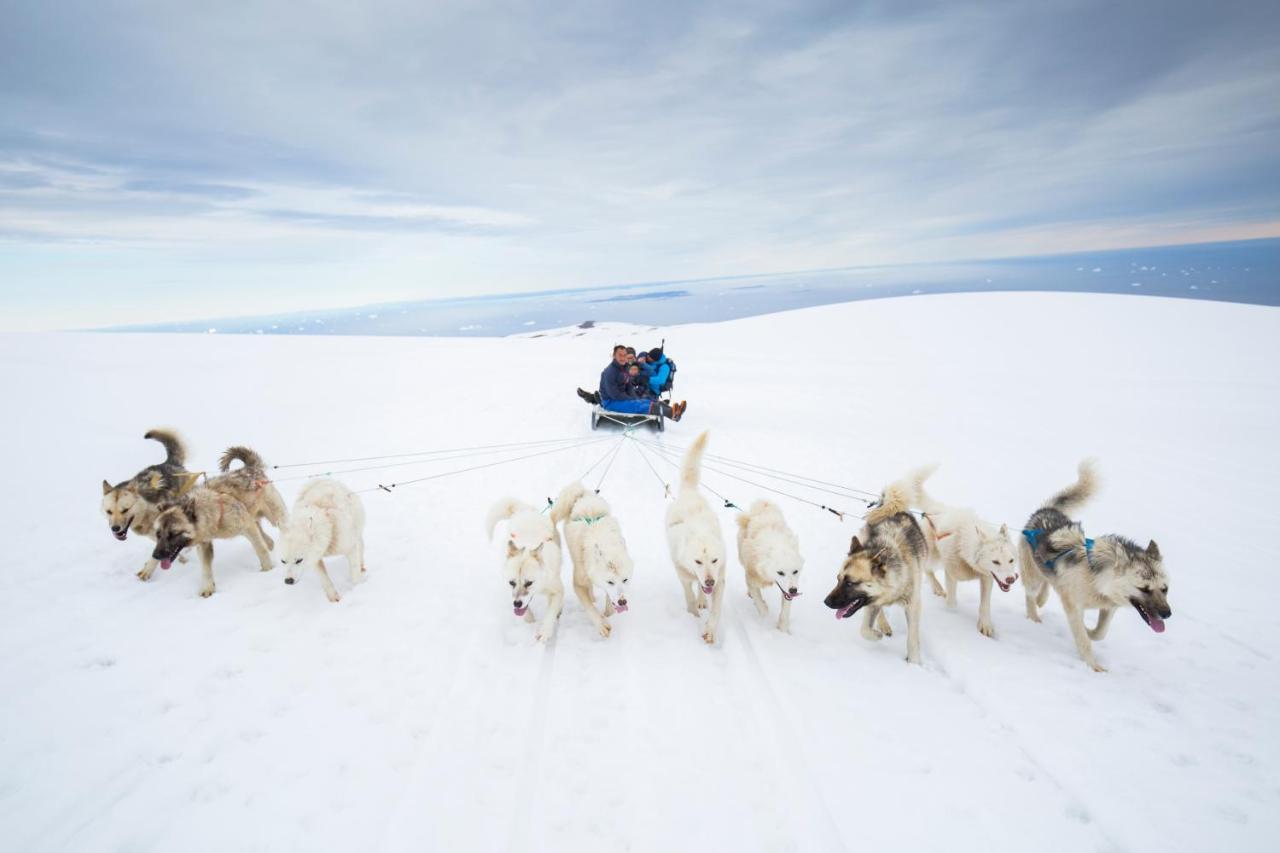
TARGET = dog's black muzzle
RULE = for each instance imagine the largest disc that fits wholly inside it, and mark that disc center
(121, 532)
(846, 600)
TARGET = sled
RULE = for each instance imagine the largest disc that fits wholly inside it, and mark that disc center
(623, 419)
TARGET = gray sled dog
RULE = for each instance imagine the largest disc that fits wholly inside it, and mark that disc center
(134, 505)
(327, 520)
(770, 555)
(198, 518)
(531, 563)
(598, 551)
(885, 563)
(968, 549)
(696, 544)
(1106, 574)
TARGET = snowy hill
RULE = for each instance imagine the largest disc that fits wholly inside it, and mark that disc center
(418, 714)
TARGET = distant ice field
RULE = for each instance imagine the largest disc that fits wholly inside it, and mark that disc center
(1247, 272)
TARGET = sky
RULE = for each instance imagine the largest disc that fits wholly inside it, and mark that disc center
(168, 160)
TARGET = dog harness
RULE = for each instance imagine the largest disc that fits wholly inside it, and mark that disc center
(1032, 536)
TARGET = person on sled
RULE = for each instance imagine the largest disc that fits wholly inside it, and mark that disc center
(617, 394)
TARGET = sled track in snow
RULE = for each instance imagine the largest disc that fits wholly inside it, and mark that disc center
(790, 757)
(939, 665)
(444, 701)
(523, 819)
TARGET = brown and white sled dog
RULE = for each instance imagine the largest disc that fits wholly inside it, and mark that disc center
(134, 505)
(598, 551)
(885, 564)
(696, 543)
(327, 520)
(531, 562)
(770, 555)
(968, 549)
(251, 485)
(1107, 574)
(198, 518)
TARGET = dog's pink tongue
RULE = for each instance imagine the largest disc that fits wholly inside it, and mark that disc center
(519, 611)
(1157, 624)
(842, 613)
(620, 607)
(164, 564)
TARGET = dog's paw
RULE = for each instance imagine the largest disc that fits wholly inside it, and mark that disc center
(333, 596)
(872, 634)
(206, 591)
(784, 628)
(1034, 617)
(986, 629)
(1097, 667)
(709, 637)
(605, 629)
(144, 575)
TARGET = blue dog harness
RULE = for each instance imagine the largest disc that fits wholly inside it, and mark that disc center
(1032, 536)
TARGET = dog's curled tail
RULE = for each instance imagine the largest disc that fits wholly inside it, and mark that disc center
(247, 457)
(1085, 486)
(563, 507)
(901, 495)
(174, 446)
(501, 511)
(1069, 542)
(691, 468)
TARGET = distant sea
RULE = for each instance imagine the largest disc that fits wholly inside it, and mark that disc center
(1247, 271)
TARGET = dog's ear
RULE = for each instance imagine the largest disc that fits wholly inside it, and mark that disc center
(106, 488)
(187, 479)
(981, 535)
(1153, 550)
(877, 563)
(854, 546)
(512, 550)
(1004, 530)
(538, 548)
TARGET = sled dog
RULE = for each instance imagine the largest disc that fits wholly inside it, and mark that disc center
(198, 518)
(327, 520)
(770, 555)
(1105, 574)
(598, 551)
(250, 485)
(968, 549)
(531, 564)
(696, 544)
(132, 506)
(885, 563)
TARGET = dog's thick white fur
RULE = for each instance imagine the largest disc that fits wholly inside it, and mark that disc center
(968, 549)
(598, 551)
(696, 543)
(531, 562)
(770, 554)
(327, 520)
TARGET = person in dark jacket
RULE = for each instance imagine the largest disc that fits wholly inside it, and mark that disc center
(637, 382)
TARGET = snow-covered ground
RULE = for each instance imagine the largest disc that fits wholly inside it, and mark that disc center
(418, 713)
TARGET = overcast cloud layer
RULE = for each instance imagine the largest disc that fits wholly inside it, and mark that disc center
(162, 161)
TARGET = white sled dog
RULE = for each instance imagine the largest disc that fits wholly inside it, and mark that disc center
(968, 549)
(770, 555)
(697, 546)
(531, 564)
(1105, 575)
(327, 520)
(885, 563)
(598, 551)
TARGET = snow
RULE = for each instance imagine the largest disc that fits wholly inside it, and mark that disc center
(417, 713)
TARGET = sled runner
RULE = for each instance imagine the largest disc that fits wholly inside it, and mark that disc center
(625, 419)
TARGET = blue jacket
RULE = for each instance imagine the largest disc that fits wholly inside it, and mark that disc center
(659, 371)
(613, 383)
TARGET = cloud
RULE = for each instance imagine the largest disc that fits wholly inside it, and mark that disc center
(441, 149)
